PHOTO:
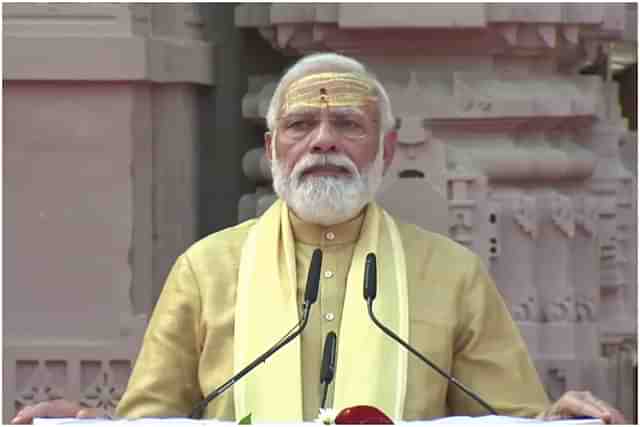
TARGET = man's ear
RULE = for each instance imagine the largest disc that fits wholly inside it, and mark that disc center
(268, 140)
(389, 147)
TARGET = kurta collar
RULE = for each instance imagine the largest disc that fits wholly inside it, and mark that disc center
(320, 235)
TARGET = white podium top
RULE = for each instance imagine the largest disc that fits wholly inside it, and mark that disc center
(187, 422)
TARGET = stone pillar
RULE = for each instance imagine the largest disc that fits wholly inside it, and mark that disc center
(518, 229)
(605, 185)
(99, 138)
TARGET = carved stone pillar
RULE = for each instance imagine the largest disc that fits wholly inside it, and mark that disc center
(419, 168)
(518, 231)
(627, 242)
(605, 184)
(585, 275)
(99, 138)
(554, 282)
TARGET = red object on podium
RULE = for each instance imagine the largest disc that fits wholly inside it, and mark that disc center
(362, 414)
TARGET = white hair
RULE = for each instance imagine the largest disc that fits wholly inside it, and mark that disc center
(320, 62)
(327, 200)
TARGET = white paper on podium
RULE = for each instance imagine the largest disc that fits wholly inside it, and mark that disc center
(104, 422)
(500, 419)
(188, 422)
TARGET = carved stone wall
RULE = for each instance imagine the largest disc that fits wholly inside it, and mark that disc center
(508, 150)
(514, 154)
(99, 140)
(94, 375)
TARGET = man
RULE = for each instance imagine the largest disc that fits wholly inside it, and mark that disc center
(235, 293)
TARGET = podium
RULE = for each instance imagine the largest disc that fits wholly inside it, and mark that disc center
(187, 422)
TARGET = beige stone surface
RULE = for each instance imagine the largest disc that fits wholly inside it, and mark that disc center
(100, 120)
(105, 42)
(68, 205)
(438, 15)
(28, 19)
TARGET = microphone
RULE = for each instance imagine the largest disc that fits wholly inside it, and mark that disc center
(310, 297)
(328, 369)
(313, 279)
(370, 288)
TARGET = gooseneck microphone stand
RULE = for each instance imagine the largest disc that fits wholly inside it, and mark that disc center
(370, 289)
(310, 297)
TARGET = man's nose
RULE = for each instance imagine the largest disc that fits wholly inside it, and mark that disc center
(325, 140)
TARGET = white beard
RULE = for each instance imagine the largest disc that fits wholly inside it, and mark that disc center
(327, 200)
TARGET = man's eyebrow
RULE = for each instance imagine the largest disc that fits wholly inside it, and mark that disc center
(304, 111)
(347, 110)
(301, 111)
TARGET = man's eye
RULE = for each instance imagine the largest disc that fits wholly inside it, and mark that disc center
(347, 124)
(299, 125)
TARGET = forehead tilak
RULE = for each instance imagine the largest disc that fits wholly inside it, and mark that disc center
(329, 89)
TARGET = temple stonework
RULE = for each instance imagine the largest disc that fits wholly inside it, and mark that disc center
(503, 146)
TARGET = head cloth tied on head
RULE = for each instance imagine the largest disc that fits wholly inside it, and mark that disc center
(329, 89)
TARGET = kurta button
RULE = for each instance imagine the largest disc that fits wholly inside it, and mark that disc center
(328, 274)
(329, 316)
(330, 235)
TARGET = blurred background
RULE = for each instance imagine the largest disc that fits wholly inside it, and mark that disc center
(132, 130)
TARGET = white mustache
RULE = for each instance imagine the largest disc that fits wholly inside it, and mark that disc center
(312, 160)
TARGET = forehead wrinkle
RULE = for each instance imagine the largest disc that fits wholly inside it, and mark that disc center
(300, 110)
(347, 110)
(303, 110)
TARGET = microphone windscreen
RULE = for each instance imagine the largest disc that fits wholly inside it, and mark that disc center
(370, 277)
(313, 278)
(328, 368)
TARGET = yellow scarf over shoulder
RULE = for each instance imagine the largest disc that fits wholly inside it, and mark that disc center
(371, 368)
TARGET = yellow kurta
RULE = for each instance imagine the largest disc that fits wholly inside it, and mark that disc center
(457, 319)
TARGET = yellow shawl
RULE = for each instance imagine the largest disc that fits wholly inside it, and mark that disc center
(371, 369)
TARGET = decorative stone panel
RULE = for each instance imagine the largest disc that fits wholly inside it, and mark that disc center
(504, 29)
(91, 373)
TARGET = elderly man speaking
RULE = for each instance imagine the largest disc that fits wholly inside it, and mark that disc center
(233, 294)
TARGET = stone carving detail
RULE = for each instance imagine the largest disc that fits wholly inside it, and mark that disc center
(558, 310)
(525, 311)
(42, 381)
(525, 28)
(585, 310)
(412, 129)
(414, 100)
(562, 214)
(494, 245)
(461, 208)
(462, 225)
(103, 390)
(586, 214)
(608, 239)
(626, 193)
(526, 216)
(102, 382)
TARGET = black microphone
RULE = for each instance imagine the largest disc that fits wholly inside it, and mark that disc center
(370, 286)
(313, 278)
(328, 369)
(310, 297)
